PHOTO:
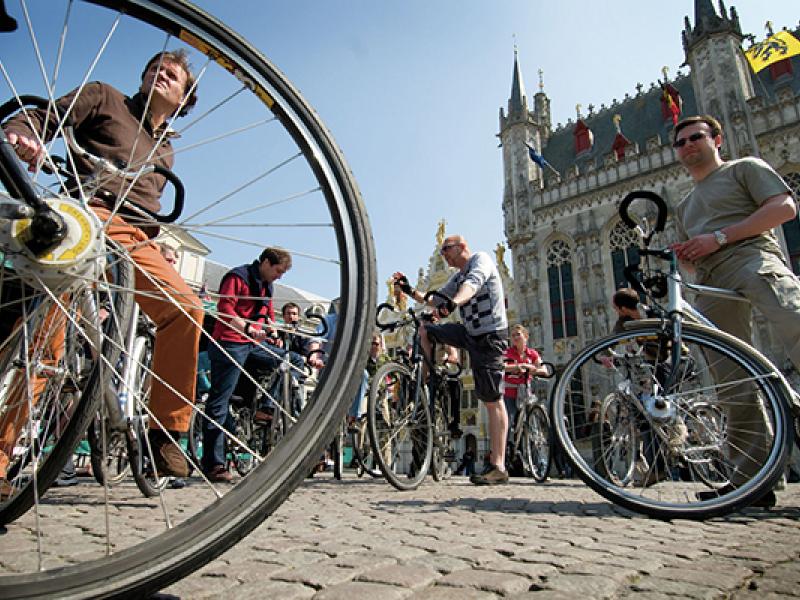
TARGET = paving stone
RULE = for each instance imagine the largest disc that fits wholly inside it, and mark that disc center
(588, 586)
(317, 575)
(440, 592)
(490, 581)
(407, 576)
(361, 589)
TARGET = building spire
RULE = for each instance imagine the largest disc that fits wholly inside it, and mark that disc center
(517, 103)
(707, 21)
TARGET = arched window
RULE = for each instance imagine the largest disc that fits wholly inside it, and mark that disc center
(791, 229)
(624, 244)
(562, 290)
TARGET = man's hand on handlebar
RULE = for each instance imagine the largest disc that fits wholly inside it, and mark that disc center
(402, 284)
(28, 149)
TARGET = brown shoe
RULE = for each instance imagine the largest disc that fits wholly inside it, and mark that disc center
(492, 477)
(219, 474)
(170, 461)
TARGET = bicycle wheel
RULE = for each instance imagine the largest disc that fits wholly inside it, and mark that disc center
(399, 425)
(257, 164)
(617, 439)
(536, 443)
(52, 380)
(715, 371)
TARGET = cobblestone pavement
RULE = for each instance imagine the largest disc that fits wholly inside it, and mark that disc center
(360, 538)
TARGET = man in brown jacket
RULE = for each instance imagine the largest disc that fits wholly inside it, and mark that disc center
(132, 131)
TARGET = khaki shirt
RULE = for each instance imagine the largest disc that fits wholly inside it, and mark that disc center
(727, 196)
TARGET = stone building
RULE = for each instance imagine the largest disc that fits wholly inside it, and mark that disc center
(568, 245)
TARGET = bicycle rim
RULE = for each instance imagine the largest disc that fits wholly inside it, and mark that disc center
(400, 430)
(259, 169)
(674, 437)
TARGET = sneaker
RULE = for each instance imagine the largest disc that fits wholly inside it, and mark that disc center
(169, 458)
(768, 500)
(177, 483)
(219, 474)
(493, 477)
(66, 480)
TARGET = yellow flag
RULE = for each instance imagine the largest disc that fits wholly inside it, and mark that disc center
(775, 48)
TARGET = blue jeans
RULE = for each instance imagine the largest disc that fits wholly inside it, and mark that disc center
(224, 377)
(356, 408)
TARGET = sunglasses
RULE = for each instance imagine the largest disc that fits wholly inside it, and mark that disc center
(689, 138)
(446, 247)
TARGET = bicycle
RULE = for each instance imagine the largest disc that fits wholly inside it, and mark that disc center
(693, 408)
(408, 420)
(286, 390)
(282, 156)
(530, 438)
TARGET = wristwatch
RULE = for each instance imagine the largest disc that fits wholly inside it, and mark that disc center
(721, 238)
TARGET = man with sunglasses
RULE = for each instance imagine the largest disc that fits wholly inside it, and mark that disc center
(726, 225)
(477, 291)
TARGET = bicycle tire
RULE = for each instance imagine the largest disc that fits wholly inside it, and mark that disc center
(400, 430)
(440, 465)
(337, 453)
(146, 567)
(537, 444)
(705, 352)
(618, 440)
(150, 484)
(67, 414)
(110, 463)
(362, 452)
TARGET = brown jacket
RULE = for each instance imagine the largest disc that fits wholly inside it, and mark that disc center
(106, 124)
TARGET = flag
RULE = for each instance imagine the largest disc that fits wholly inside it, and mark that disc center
(537, 158)
(541, 161)
(774, 49)
(672, 108)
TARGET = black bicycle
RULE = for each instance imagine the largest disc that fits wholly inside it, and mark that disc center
(408, 418)
(530, 439)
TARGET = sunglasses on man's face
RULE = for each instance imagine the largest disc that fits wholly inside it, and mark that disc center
(689, 138)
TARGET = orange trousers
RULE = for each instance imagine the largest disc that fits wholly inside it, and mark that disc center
(177, 337)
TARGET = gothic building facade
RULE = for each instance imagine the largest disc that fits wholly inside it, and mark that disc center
(568, 245)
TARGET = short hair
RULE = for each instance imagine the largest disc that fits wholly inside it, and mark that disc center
(276, 256)
(713, 124)
(180, 58)
(289, 305)
(522, 328)
(626, 298)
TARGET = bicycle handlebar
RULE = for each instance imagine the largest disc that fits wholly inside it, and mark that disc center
(101, 164)
(661, 219)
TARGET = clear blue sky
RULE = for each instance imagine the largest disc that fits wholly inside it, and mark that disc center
(411, 90)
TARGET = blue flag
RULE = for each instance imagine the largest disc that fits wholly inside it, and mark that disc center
(537, 158)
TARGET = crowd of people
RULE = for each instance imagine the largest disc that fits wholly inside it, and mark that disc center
(725, 224)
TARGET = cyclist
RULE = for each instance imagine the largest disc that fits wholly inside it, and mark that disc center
(131, 130)
(476, 289)
(244, 311)
(726, 225)
(522, 364)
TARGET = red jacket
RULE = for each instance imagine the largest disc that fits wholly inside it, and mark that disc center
(238, 292)
(512, 380)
